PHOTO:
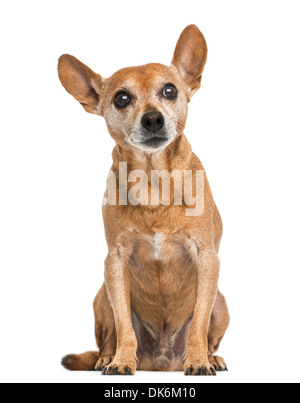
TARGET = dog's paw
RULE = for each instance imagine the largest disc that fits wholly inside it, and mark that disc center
(218, 363)
(103, 362)
(198, 369)
(118, 370)
(121, 367)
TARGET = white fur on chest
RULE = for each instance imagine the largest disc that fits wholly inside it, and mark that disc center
(158, 244)
(166, 248)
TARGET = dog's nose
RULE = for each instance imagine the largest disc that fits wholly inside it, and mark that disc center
(153, 121)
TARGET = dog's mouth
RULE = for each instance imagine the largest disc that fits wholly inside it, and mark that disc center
(152, 142)
(155, 142)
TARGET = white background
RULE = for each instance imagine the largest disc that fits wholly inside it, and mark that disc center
(54, 159)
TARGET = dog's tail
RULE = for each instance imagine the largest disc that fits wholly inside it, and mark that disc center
(81, 362)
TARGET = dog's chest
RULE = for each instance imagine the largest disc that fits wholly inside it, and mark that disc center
(164, 248)
(163, 270)
(158, 242)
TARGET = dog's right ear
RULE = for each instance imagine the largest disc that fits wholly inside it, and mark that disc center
(81, 82)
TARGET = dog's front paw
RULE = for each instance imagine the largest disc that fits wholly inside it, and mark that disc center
(121, 366)
(198, 369)
(103, 362)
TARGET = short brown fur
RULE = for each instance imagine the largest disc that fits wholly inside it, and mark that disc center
(159, 308)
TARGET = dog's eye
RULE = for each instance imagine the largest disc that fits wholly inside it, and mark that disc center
(170, 92)
(122, 99)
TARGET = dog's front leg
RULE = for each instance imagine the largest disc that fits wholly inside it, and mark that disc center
(118, 287)
(196, 361)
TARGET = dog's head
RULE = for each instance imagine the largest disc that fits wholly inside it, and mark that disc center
(144, 107)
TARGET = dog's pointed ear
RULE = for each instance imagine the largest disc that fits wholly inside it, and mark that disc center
(190, 57)
(81, 82)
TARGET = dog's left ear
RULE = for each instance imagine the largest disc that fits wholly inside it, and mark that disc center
(190, 57)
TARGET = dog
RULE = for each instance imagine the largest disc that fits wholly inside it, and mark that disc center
(160, 308)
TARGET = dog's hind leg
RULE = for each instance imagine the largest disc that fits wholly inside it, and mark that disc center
(105, 338)
(218, 325)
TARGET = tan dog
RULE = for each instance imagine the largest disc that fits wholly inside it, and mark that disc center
(160, 308)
